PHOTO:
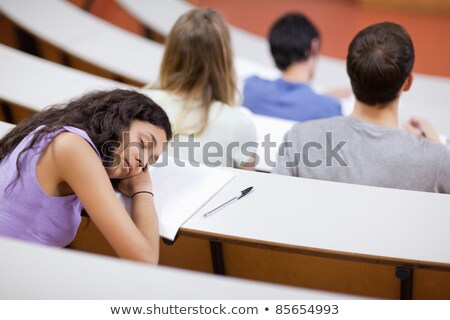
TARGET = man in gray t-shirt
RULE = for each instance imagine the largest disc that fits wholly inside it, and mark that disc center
(346, 149)
(367, 147)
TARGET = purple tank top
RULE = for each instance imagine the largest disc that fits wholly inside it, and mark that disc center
(26, 211)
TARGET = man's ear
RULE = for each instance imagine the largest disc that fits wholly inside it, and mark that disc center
(408, 82)
(315, 47)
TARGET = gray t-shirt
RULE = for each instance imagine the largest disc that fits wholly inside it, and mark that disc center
(346, 149)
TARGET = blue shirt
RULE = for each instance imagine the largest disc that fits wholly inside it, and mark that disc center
(289, 100)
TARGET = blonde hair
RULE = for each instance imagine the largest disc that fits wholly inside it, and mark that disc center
(198, 64)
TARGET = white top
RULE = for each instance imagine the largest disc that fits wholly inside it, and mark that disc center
(228, 128)
(376, 224)
(31, 271)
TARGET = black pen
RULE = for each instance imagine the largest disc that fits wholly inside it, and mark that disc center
(243, 193)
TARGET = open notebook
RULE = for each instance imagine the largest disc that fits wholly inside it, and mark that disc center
(181, 191)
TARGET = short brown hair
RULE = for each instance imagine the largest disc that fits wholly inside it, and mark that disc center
(379, 60)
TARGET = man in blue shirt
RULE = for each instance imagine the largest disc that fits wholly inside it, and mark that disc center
(294, 43)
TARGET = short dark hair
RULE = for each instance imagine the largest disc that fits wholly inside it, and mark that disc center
(290, 39)
(380, 59)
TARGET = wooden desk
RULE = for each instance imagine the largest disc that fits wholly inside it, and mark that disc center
(331, 236)
(31, 271)
(87, 37)
(369, 225)
(329, 218)
(99, 43)
(35, 83)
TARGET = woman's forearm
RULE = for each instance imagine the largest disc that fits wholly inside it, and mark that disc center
(143, 214)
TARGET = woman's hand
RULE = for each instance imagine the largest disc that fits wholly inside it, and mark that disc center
(139, 182)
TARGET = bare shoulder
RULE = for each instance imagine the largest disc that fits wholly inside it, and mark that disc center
(71, 150)
(72, 144)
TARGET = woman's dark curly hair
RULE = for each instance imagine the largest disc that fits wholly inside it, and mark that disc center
(103, 115)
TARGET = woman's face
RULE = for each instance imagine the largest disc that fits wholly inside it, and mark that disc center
(140, 146)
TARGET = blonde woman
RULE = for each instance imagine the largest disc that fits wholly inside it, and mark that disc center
(197, 89)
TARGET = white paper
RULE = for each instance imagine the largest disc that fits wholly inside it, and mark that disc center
(181, 191)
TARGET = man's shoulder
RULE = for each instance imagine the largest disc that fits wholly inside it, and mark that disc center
(326, 100)
(435, 151)
(257, 82)
(332, 123)
(317, 129)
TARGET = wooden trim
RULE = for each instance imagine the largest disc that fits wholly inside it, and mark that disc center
(52, 52)
(397, 262)
(17, 112)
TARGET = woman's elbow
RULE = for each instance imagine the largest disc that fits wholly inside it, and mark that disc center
(147, 255)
